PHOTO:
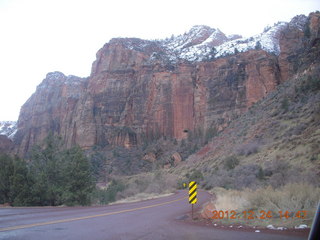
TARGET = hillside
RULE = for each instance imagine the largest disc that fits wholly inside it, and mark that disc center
(276, 142)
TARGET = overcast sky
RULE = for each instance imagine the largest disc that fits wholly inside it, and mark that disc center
(41, 36)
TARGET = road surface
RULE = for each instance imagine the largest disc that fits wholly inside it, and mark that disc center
(152, 219)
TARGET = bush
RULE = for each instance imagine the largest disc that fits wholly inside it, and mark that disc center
(210, 133)
(230, 162)
(291, 197)
(196, 175)
(248, 149)
(105, 196)
(309, 84)
(220, 178)
(285, 104)
(246, 176)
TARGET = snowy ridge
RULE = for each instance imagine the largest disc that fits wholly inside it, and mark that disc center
(268, 41)
(8, 128)
(191, 45)
(197, 35)
(217, 44)
(203, 43)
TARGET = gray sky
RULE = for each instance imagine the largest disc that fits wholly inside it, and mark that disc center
(41, 36)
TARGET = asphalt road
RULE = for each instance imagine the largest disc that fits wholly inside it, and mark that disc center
(153, 219)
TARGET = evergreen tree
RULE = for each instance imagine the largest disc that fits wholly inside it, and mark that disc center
(21, 182)
(258, 45)
(78, 182)
(307, 31)
(46, 168)
(53, 177)
(6, 171)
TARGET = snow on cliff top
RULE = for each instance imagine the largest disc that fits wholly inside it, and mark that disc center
(205, 43)
(217, 44)
(8, 128)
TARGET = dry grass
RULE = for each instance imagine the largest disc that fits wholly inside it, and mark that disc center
(146, 186)
(291, 198)
(141, 197)
(229, 199)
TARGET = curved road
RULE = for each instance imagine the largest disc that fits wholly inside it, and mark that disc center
(152, 219)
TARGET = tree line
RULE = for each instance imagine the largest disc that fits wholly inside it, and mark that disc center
(51, 176)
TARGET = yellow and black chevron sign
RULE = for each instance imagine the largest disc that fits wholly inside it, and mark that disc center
(192, 192)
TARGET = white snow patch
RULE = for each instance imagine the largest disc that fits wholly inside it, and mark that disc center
(271, 227)
(192, 46)
(11, 136)
(8, 128)
(269, 41)
(302, 226)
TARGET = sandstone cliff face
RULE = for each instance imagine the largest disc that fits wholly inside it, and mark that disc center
(6, 144)
(49, 110)
(135, 93)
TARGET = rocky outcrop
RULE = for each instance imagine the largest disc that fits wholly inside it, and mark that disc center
(207, 210)
(176, 157)
(138, 91)
(51, 109)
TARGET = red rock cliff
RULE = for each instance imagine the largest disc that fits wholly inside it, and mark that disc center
(135, 92)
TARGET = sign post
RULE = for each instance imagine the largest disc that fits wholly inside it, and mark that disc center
(192, 195)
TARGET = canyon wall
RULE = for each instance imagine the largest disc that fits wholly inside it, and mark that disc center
(134, 93)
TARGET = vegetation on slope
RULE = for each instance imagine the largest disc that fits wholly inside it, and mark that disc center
(53, 176)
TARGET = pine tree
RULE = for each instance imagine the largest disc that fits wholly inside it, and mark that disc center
(61, 176)
(46, 167)
(21, 182)
(6, 171)
(258, 45)
(78, 182)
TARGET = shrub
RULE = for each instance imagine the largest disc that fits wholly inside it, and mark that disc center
(196, 175)
(248, 149)
(220, 178)
(291, 197)
(285, 104)
(246, 176)
(309, 84)
(231, 162)
(210, 133)
(108, 195)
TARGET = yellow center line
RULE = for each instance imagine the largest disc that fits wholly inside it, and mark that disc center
(86, 217)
